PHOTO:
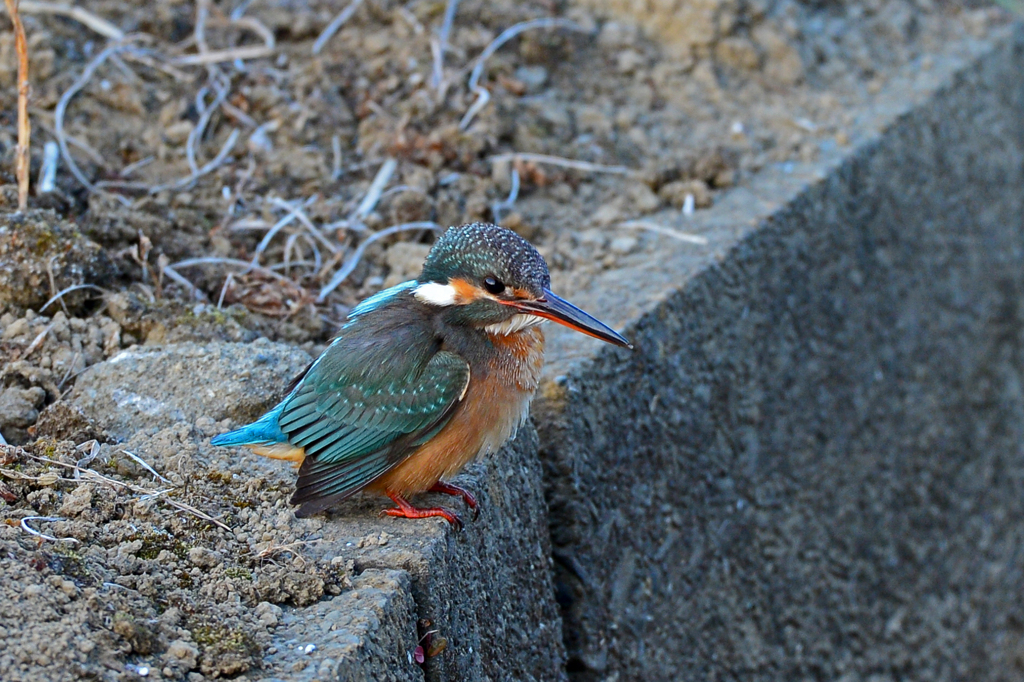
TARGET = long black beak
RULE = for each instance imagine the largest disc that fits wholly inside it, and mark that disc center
(561, 311)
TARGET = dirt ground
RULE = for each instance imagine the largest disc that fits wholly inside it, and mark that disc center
(270, 159)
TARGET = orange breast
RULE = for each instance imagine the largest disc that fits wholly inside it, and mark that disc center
(496, 404)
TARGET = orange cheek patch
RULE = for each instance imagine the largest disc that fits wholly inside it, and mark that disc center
(465, 292)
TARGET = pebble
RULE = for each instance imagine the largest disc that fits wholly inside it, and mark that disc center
(623, 245)
(203, 557)
(533, 77)
(675, 193)
(34, 591)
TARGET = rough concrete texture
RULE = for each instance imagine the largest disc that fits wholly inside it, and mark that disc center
(154, 387)
(486, 591)
(812, 466)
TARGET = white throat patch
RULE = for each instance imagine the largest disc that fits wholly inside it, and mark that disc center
(433, 293)
(513, 324)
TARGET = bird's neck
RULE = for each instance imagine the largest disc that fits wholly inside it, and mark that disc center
(517, 358)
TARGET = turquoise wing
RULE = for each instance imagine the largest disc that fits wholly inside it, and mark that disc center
(365, 404)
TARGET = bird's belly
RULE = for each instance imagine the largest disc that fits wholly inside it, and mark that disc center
(495, 405)
(478, 427)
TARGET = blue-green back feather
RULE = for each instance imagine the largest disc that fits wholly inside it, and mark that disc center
(382, 388)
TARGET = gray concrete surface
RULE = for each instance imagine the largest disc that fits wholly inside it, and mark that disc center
(813, 465)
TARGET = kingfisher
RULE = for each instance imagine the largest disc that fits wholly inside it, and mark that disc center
(422, 378)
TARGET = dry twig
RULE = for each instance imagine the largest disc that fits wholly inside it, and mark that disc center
(336, 23)
(24, 127)
(482, 95)
(47, 181)
(60, 294)
(65, 100)
(86, 475)
(564, 163)
(380, 181)
(661, 229)
(84, 17)
(32, 531)
(506, 204)
(350, 265)
(439, 47)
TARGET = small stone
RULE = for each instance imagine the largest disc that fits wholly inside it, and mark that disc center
(623, 245)
(78, 501)
(184, 655)
(644, 199)
(608, 213)
(19, 327)
(738, 53)
(628, 61)
(19, 407)
(203, 557)
(614, 34)
(533, 77)
(675, 193)
(177, 133)
(268, 614)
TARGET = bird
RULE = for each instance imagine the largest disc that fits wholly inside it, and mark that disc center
(421, 378)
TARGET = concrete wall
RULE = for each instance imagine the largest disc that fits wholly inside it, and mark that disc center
(813, 465)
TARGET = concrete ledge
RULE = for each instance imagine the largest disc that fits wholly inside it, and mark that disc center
(812, 467)
(487, 591)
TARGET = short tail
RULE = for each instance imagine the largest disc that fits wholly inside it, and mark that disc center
(263, 431)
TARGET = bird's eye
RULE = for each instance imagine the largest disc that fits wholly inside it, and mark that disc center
(493, 285)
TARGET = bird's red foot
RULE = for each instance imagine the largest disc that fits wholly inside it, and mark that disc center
(407, 511)
(456, 491)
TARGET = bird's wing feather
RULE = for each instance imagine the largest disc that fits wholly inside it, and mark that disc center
(365, 404)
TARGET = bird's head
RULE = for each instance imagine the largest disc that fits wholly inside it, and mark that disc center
(488, 277)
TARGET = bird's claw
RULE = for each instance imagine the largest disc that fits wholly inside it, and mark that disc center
(407, 511)
(456, 491)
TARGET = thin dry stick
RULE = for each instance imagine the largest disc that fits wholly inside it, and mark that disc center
(336, 23)
(289, 218)
(221, 56)
(380, 181)
(144, 465)
(60, 294)
(500, 206)
(442, 43)
(213, 165)
(87, 19)
(353, 260)
(305, 220)
(482, 95)
(92, 475)
(661, 229)
(37, 342)
(24, 127)
(173, 274)
(564, 163)
(65, 99)
(47, 181)
(32, 531)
